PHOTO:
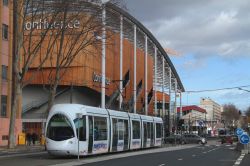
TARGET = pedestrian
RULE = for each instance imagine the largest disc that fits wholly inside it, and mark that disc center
(28, 139)
(34, 136)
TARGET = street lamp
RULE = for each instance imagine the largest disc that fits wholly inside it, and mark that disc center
(103, 51)
(244, 89)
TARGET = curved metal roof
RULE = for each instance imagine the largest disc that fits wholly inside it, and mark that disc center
(152, 38)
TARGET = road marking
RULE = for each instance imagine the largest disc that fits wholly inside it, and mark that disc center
(193, 155)
(238, 161)
(161, 164)
(180, 159)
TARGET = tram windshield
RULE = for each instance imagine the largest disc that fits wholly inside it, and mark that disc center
(59, 128)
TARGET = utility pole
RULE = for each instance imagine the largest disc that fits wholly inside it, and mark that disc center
(103, 52)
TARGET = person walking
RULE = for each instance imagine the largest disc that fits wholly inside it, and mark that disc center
(34, 136)
(28, 139)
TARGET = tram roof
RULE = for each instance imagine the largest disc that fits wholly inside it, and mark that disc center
(147, 118)
(118, 114)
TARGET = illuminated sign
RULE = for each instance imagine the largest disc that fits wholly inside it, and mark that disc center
(44, 24)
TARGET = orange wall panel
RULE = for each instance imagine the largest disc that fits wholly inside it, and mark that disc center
(80, 72)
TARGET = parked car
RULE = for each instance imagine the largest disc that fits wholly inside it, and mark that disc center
(235, 138)
(175, 138)
(227, 139)
(193, 138)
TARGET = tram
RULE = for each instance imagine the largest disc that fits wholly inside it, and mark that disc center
(99, 130)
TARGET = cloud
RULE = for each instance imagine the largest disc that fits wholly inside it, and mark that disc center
(200, 27)
(213, 37)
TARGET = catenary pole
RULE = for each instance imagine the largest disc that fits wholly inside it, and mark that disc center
(135, 52)
(146, 74)
(103, 55)
(155, 80)
(121, 61)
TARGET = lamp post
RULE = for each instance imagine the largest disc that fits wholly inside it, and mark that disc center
(103, 51)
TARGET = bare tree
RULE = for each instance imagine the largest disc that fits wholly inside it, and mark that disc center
(41, 28)
(73, 43)
(70, 43)
(26, 47)
(230, 114)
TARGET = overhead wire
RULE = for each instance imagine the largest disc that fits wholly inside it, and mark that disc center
(219, 89)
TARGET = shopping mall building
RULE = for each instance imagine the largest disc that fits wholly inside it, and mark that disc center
(139, 75)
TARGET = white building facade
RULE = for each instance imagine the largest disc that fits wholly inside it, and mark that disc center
(213, 117)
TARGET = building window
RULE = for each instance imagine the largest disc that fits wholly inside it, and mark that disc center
(4, 106)
(5, 32)
(5, 2)
(4, 72)
(5, 137)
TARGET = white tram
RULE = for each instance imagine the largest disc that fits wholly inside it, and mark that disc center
(100, 130)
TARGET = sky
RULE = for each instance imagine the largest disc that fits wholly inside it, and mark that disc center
(213, 39)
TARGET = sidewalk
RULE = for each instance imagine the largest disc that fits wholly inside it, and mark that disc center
(21, 149)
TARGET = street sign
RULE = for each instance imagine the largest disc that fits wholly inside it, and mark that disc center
(239, 131)
(244, 139)
(200, 123)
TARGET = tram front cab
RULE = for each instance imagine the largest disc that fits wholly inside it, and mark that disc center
(60, 136)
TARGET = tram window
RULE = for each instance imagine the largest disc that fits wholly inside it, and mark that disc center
(136, 129)
(82, 125)
(120, 129)
(158, 130)
(151, 131)
(145, 129)
(59, 128)
(148, 129)
(100, 128)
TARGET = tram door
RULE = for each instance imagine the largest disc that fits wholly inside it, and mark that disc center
(90, 145)
(126, 135)
(115, 135)
(145, 135)
(152, 134)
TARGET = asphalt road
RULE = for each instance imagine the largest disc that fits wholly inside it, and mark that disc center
(212, 155)
(209, 155)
